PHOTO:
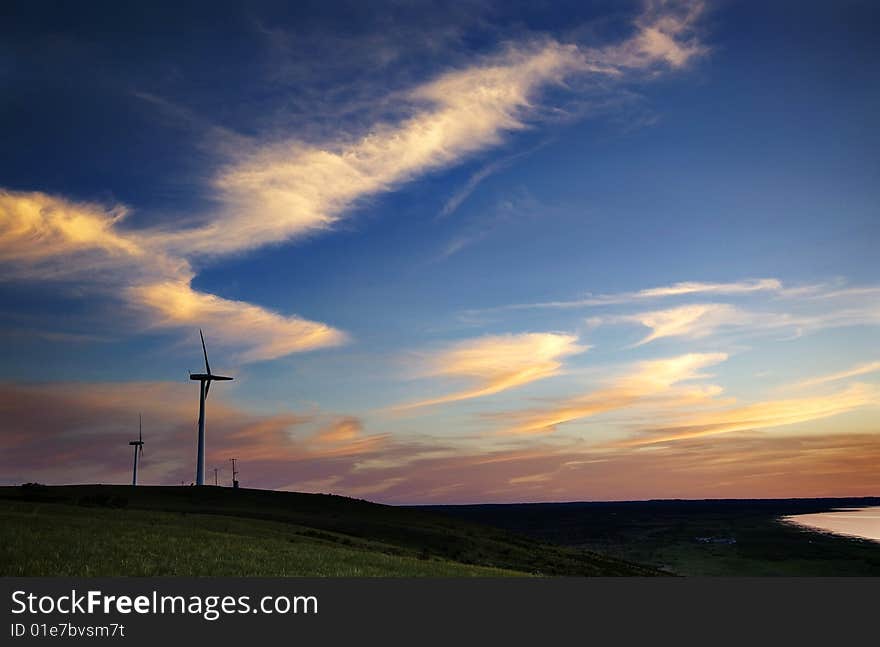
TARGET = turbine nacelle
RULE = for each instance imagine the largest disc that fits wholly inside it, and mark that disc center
(140, 441)
(208, 376)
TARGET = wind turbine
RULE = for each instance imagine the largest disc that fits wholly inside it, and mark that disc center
(138, 450)
(205, 380)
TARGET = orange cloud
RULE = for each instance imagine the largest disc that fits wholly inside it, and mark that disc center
(649, 380)
(498, 363)
(263, 333)
(731, 466)
(63, 433)
(44, 237)
(763, 415)
(341, 430)
(34, 226)
(855, 371)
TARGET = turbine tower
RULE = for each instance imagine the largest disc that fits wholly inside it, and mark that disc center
(138, 450)
(205, 380)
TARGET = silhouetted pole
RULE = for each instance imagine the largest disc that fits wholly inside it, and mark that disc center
(134, 476)
(200, 460)
(234, 474)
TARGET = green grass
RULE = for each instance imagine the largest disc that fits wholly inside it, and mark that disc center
(51, 539)
(666, 534)
(151, 531)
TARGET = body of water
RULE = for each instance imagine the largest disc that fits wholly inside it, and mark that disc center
(854, 522)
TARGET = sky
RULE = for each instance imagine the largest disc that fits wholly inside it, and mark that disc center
(451, 253)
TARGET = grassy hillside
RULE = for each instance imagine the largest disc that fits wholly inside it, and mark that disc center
(119, 530)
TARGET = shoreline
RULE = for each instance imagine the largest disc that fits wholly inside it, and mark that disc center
(834, 522)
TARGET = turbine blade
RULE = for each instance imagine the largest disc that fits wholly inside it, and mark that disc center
(140, 429)
(205, 350)
(207, 388)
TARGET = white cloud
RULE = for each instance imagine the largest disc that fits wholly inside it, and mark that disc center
(701, 320)
(854, 371)
(260, 333)
(692, 321)
(685, 288)
(696, 287)
(44, 237)
(665, 32)
(769, 306)
(498, 363)
(654, 380)
(761, 415)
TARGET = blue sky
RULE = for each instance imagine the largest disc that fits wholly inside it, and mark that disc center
(495, 251)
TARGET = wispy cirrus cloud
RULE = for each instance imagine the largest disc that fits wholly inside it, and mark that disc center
(36, 226)
(691, 321)
(761, 415)
(271, 190)
(462, 194)
(656, 380)
(665, 31)
(297, 188)
(48, 238)
(45, 237)
(498, 363)
(702, 320)
(733, 465)
(763, 306)
(854, 371)
(342, 429)
(261, 333)
(684, 288)
(697, 287)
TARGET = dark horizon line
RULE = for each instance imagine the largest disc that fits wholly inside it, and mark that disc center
(485, 504)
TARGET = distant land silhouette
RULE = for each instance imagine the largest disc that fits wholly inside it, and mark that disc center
(123, 530)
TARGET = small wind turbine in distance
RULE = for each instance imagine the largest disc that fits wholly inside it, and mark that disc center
(138, 450)
(205, 380)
